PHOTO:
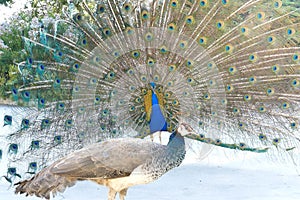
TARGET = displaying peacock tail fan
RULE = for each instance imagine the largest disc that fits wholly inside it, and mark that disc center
(129, 68)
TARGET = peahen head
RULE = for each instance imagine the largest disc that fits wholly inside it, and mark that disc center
(185, 129)
(176, 138)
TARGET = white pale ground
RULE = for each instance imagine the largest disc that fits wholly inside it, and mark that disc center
(224, 174)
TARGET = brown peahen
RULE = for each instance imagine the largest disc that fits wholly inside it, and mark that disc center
(111, 68)
(116, 163)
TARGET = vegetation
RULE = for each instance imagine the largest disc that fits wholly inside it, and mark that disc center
(27, 23)
(5, 2)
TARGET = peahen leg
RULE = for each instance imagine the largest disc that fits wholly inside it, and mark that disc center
(123, 194)
(112, 194)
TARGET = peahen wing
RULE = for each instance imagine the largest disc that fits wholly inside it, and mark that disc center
(109, 159)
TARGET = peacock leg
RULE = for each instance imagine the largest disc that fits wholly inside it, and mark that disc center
(152, 137)
(160, 137)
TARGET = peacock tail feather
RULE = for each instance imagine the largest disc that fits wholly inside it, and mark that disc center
(130, 68)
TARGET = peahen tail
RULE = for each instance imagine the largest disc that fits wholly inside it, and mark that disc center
(44, 183)
(229, 68)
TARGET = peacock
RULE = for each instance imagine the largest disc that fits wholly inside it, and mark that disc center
(111, 69)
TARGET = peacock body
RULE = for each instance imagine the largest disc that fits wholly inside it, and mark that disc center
(110, 69)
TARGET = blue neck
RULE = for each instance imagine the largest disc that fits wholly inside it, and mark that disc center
(154, 98)
(157, 119)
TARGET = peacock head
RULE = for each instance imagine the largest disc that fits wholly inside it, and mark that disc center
(153, 85)
(185, 129)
